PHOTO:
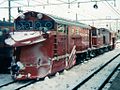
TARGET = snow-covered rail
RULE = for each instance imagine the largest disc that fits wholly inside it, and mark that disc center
(7, 84)
(98, 79)
(70, 78)
(16, 85)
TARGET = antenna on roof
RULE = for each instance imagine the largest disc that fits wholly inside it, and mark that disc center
(19, 10)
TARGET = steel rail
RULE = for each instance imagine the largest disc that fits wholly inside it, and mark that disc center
(108, 78)
(90, 76)
(7, 84)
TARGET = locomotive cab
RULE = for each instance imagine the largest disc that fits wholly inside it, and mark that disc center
(30, 41)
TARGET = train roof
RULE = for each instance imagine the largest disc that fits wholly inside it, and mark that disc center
(61, 20)
(68, 22)
(104, 29)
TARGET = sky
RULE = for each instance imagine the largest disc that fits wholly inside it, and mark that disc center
(82, 10)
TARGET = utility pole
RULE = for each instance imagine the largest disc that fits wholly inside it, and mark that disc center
(9, 10)
(68, 3)
(116, 25)
(76, 17)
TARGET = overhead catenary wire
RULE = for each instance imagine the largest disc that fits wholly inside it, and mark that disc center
(3, 2)
(113, 8)
(50, 4)
(100, 19)
(19, 3)
(62, 1)
(39, 2)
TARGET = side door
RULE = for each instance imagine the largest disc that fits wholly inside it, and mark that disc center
(62, 37)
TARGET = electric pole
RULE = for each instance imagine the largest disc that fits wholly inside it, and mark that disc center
(9, 10)
(76, 17)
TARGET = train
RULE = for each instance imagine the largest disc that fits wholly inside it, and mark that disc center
(45, 44)
(5, 50)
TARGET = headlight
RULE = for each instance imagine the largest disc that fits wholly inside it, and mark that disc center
(20, 65)
(39, 16)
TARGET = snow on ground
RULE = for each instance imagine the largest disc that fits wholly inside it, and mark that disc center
(95, 82)
(5, 78)
(107, 86)
(68, 79)
(14, 86)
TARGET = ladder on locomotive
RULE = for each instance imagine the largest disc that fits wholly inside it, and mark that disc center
(55, 46)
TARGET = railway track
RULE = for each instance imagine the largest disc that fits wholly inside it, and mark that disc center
(86, 83)
(16, 85)
(7, 84)
(27, 84)
(23, 85)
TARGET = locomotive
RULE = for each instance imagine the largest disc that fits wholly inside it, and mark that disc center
(45, 44)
